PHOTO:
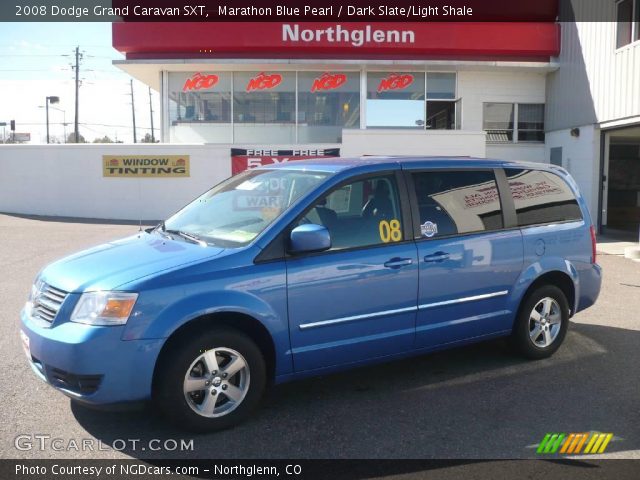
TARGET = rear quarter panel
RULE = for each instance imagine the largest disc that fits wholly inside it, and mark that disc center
(563, 247)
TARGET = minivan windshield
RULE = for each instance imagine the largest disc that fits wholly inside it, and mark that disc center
(237, 210)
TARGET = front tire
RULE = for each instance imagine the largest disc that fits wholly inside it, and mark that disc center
(210, 380)
(542, 323)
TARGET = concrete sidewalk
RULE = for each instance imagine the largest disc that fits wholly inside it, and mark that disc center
(614, 246)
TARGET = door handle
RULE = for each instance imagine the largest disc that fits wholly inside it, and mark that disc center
(436, 257)
(398, 262)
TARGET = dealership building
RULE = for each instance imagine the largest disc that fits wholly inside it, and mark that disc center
(563, 93)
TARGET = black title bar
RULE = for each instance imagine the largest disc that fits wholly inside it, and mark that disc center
(304, 11)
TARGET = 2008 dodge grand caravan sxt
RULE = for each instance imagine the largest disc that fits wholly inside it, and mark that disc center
(309, 267)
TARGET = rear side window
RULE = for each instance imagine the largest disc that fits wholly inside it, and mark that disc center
(457, 202)
(541, 197)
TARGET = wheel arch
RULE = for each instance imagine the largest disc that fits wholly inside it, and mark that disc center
(557, 278)
(241, 322)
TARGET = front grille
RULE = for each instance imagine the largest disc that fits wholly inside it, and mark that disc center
(47, 302)
(82, 384)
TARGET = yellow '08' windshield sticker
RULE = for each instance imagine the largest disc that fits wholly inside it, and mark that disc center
(390, 231)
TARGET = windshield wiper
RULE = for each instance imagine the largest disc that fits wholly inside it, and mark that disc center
(160, 228)
(187, 236)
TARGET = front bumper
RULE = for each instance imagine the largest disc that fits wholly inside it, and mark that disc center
(91, 364)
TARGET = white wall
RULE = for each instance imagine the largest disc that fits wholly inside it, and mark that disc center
(580, 157)
(596, 82)
(66, 180)
(414, 142)
(518, 152)
(476, 88)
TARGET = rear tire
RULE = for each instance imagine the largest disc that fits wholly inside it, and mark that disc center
(210, 380)
(542, 323)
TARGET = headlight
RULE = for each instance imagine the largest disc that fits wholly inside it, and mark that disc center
(37, 285)
(104, 308)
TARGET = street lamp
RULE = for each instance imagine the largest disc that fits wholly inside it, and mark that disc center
(48, 101)
(64, 119)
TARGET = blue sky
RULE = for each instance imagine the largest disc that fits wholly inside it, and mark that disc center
(35, 61)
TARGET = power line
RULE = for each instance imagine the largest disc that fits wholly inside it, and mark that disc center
(30, 70)
(36, 124)
(58, 45)
(31, 55)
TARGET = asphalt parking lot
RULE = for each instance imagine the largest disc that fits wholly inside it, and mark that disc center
(473, 402)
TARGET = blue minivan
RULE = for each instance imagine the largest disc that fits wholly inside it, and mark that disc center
(310, 267)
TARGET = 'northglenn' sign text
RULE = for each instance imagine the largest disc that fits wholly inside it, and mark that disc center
(339, 34)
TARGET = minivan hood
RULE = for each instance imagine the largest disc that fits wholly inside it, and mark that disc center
(112, 264)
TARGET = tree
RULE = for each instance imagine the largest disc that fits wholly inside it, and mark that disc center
(147, 139)
(71, 138)
(104, 139)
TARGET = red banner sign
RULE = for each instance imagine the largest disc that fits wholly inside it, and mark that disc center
(526, 41)
(328, 81)
(264, 81)
(246, 159)
(395, 81)
(200, 82)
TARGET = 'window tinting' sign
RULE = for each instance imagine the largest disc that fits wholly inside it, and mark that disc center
(145, 165)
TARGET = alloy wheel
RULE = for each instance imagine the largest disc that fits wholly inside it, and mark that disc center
(216, 382)
(545, 321)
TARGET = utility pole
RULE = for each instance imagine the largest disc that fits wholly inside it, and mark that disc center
(133, 113)
(153, 138)
(76, 133)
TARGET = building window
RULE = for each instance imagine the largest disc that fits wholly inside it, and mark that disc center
(628, 22)
(395, 100)
(498, 122)
(327, 103)
(290, 107)
(264, 107)
(531, 122)
(406, 100)
(200, 107)
(442, 109)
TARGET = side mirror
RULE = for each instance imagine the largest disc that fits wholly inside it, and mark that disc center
(309, 238)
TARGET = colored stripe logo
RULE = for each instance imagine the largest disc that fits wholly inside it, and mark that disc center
(573, 443)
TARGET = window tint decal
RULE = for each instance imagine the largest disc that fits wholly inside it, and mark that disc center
(429, 229)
